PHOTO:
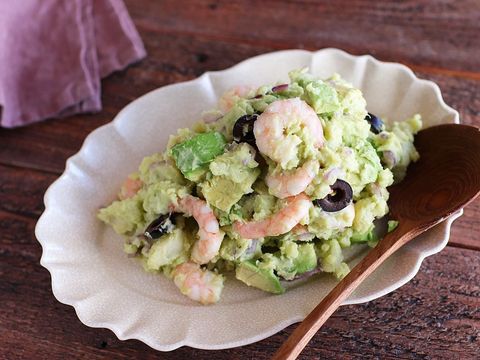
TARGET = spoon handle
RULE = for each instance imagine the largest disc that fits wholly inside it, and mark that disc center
(312, 323)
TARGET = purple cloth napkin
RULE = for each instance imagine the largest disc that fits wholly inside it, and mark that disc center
(53, 54)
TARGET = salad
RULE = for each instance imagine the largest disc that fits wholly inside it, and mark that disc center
(272, 184)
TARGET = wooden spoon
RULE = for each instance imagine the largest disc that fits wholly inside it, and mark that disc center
(445, 179)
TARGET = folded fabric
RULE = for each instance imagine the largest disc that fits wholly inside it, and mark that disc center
(53, 54)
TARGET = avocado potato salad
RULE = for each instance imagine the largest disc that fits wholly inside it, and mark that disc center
(271, 185)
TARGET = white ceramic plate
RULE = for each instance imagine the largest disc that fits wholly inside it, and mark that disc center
(107, 289)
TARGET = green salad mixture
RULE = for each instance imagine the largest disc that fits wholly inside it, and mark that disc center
(271, 185)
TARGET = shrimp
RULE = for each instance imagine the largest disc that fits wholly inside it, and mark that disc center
(229, 98)
(291, 183)
(130, 188)
(198, 284)
(210, 236)
(300, 229)
(296, 209)
(302, 234)
(269, 129)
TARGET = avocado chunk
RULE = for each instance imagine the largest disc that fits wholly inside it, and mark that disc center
(358, 238)
(124, 216)
(321, 97)
(197, 152)
(262, 279)
(167, 249)
(232, 175)
(374, 234)
(223, 193)
(306, 259)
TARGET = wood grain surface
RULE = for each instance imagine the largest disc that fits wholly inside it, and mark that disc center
(434, 316)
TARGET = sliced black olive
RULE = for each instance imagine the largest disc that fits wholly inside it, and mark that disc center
(162, 225)
(269, 249)
(376, 124)
(243, 129)
(341, 197)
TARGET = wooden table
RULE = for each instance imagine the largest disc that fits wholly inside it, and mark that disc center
(436, 315)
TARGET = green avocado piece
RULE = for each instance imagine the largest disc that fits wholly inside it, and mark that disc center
(224, 193)
(197, 152)
(372, 236)
(392, 225)
(358, 238)
(262, 279)
(167, 249)
(321, 97)
(306, 259)
(233, 174)
(125, 216)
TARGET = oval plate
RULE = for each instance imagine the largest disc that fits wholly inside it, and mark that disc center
(107, 289)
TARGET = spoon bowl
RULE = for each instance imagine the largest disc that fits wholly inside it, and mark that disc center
(445, 179)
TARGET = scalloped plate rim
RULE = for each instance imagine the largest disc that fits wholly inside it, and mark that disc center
(118, 331)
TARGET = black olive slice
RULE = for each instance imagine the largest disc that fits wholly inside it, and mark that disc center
(162, 225)
(243, 129)
(341, 197)
(376, 124)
